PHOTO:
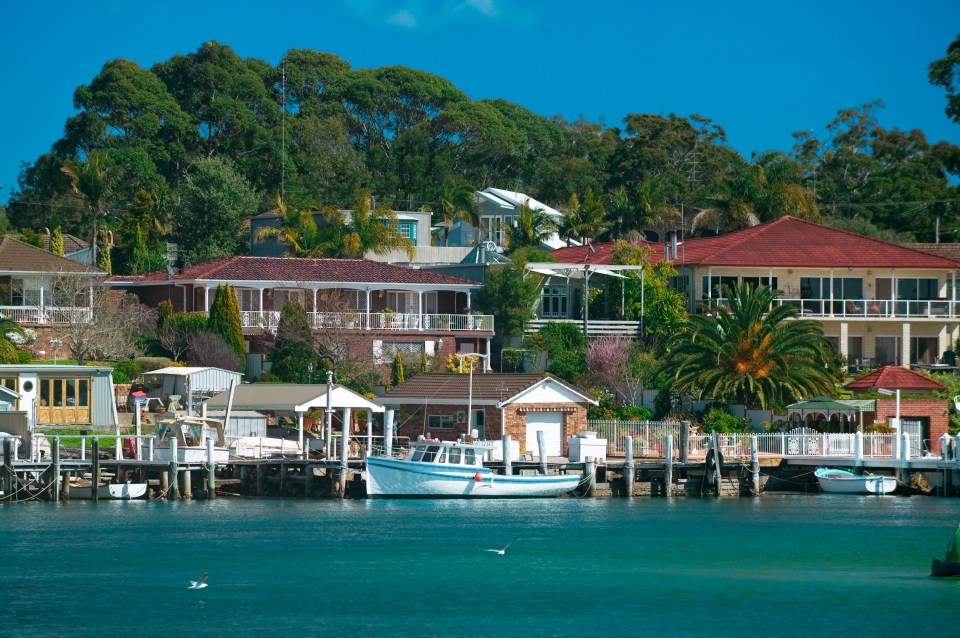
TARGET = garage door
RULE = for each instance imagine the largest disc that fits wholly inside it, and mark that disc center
(551, 424)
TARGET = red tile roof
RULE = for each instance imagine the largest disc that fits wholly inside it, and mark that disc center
(18, 256)
(298, 269)
(895, 378)
(784, 242)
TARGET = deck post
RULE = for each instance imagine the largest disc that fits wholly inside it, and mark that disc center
(754, 467)
(684, 440)
(718, 461)
(668, 466)
(187, 493)
(261, 478)
(165, 482)
(95, 469)
(344, 452)
(858, 449)
(308, 481)
(55, 452)
(956, 450)
(388, 432)
(590, 476)
(629, 469)
(541, 452)
(7, 490)
(211, 471)
(507, 461)
(174, 473)
(904, 457)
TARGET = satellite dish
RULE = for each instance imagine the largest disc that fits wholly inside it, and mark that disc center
(489, 245)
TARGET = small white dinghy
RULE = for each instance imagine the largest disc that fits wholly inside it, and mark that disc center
(110, 491)
(836, 481)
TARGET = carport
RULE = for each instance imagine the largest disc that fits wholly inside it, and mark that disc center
(299, 399)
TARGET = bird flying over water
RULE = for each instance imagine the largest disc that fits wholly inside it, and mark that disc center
(200, 583)
(503, 551)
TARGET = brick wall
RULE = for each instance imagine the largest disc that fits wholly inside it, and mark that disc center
(936, 410)
(516, 421)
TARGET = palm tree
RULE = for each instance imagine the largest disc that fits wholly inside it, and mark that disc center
(658, 213)
(297, 230)
(750, 352)
(93, 179)
(531, 226)
(458, 200)
(373, 230)
(583, 221)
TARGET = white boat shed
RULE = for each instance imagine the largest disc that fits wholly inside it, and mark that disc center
(186, 387)
(296, 398)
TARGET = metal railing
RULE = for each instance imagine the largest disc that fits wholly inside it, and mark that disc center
(46, 314)
(595, 327)
(866, 308)
(269, 319)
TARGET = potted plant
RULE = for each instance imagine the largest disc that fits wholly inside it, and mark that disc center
(445, 322)
(386, 317)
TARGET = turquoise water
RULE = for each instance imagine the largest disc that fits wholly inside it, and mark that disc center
(792, 565)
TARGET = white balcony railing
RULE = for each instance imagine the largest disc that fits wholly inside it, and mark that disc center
(46, 314)
(268, 320)
(868, 309)
(595, 327)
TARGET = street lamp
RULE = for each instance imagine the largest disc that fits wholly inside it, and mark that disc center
(56, 343)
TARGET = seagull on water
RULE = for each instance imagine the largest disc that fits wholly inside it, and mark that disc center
(504, 550)
(200, 583)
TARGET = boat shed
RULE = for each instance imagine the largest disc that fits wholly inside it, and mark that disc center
(187, 387)
(61, 395)
(293, 398)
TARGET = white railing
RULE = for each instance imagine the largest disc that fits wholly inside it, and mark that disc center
(649, 437)
(867, 308)
(595, 327)
(269, 319)
(46, 314)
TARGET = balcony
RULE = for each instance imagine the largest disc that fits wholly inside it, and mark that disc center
(867, 309)
(46, 315)
(404, 322)
(595, 327)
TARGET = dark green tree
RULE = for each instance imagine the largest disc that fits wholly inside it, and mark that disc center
(397, 376)
(564, 344)
(509, 293)
(56, 242)
(945, 73)
(752, 353)
(93, 179)
(293, 351)
(225, 321)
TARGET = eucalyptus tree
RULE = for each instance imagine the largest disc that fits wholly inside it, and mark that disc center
(752, 352)
(945, 73)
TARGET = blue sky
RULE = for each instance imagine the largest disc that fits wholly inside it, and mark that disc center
(761, 70)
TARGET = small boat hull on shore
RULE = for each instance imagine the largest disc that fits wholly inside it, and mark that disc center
(944, 568)
(112, 491)
(835, 481)
(455, 470)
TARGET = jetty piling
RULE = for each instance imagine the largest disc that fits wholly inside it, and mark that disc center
(668, 467)
(55, 479)
(95, 470)
(542, 452)
(629, 469)
(344, 452)
(7, 470)
(211, 471)
(754, 468)
(174, 471)
(507, 461)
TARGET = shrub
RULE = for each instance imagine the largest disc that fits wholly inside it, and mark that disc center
(148, 364)
(8, 354)
(208, 349)
(716, 420)
(24, 356)
(128, 369)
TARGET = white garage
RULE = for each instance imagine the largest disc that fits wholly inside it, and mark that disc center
(551, 424)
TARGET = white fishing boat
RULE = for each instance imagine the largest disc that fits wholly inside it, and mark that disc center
(82, 489)
(259, 447)
(191, 434)
(836, 481)
(447, 469)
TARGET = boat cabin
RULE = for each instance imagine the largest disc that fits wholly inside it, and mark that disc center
(446, 453)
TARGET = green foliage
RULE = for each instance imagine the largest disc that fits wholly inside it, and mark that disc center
(225, 321)
(719, 420)
(104, 262)
(397, 377)
(424, 362)
(612, 409)
(745, 354)
(148, 364)
(56, 242)
(24, 356)
(564, 344)
(292, 351)
(509, 295)
(32, 237)
(164, 312)
(8, 353)
(945, 73)
(127, 369)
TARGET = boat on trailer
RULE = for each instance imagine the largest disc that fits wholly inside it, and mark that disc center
(838, 481)
(950, 565)
(453, 469)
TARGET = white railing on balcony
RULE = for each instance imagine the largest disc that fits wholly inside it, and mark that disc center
(46, 314)
(595, 327)
(868, 309)
(268, 320)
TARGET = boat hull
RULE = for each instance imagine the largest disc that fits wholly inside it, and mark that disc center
(944, 568)
(393, 478)
(113, 491)
(844, 482)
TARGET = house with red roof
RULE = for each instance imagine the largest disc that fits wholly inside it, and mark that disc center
(379, 308)
(923, 416)
(880, 303)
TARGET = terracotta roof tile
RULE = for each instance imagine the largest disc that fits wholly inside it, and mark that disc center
(299, 269)
(19, 256)
(895, 378)
(784, 242)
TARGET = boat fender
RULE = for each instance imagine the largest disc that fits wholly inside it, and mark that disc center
(431, 440)
(477, 478)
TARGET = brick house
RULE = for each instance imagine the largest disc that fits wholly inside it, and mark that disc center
(518, 405)
(924, 417)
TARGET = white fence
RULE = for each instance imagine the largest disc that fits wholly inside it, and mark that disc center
(649, 439)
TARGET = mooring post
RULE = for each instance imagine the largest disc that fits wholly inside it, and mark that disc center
(174, 471)
(55, 487)
(858, 450)
(668, 466)
(709, 464)
(261, 478)
(684, 440)
(344, 452)
(542, 452)
(629, 469)
(165, 482)
(754, 467)
(507, 461)
(7, 492)
(590, 474)
(388, 432)
(904, 473)
(211, 471)
(187, 493)
(308, 481)
(718, 457)
(95, 469)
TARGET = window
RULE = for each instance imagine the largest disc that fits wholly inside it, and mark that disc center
(407, 349)
(923, 349)
(454, 458)
(888, 351)
(439, 422)
(408, 230)
(554, 302)
(718, 283)
(397, 301)
(430, 305)
(770, 282)
(248, 299)
(909, 289)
